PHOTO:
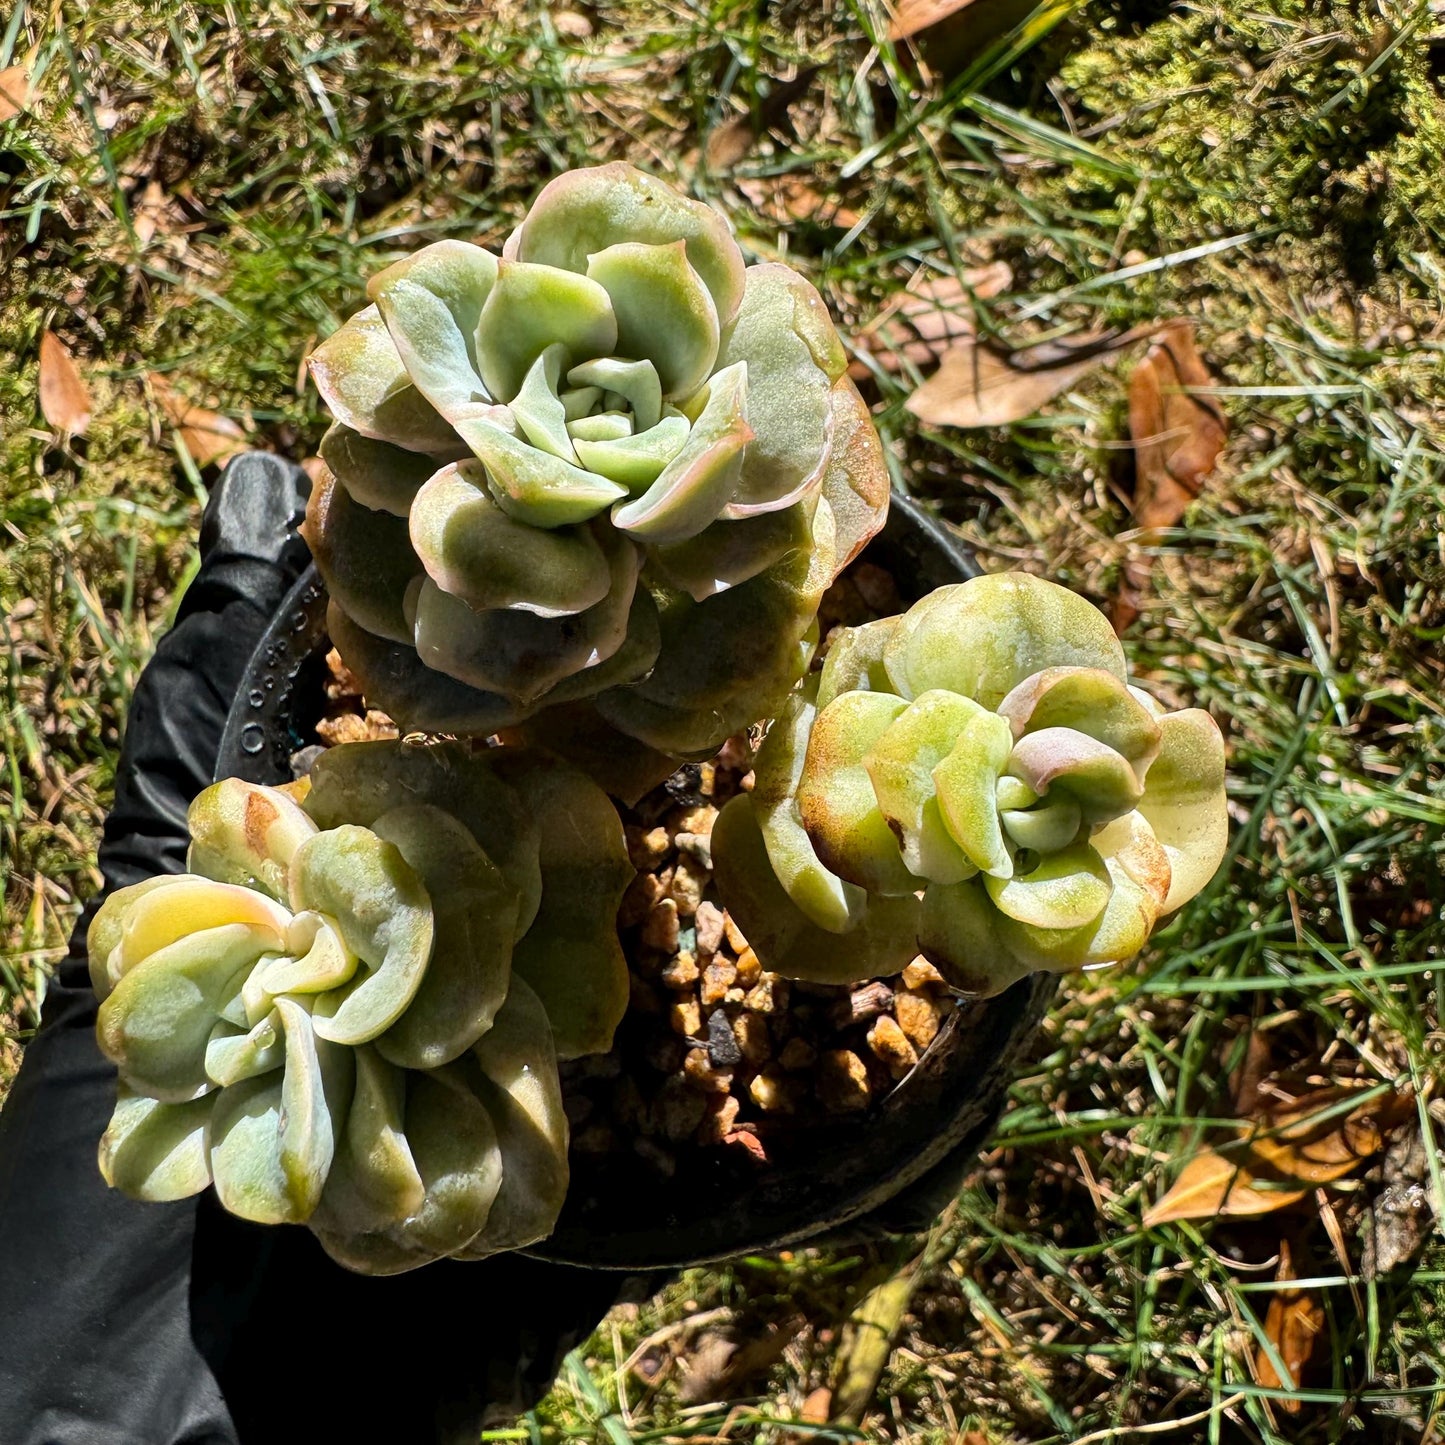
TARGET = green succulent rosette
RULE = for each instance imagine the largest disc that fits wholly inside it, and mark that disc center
(349, 1012)
(978, 781)
(612, 468)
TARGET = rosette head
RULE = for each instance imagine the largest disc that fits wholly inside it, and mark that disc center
(540, 459)
(327, 1018)
(975, 780)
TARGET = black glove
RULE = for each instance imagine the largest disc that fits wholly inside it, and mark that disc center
(159, 1323)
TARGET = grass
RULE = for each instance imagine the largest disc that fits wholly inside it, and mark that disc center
(199, 191)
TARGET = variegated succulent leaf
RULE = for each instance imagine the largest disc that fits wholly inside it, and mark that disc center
(330, 1030)
(535, 454)
(983, 757)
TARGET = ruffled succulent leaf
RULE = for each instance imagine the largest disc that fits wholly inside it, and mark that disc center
(982, 638)
(693, 487)
(828, 901)
(364, 383)
(245, 834)
(157, 1020)
(1043, 828)
(583, 212)
(155, 1151)
(380, 1156)
(454, 1144)
(539, 412)
(188, 904)
(534, 486)
(665, 313)
(365, 558)
(604, 426)
(571, 956)
(726, 554)
(880, 942)
(726, 663)
(362, 781)
(384, 914)
(518, 654)
(966, 938)
(482, 556)
(271, 1138)
(532, 307)
(474, 917)
(1059, 760)
(378, 475)
(855, 478)
(102, 939)
(374, 1185)
(792, 355)
(967, 782)
(516, 1080)
(633, 460)
(836, 801)
(316, 957)
(1090, 701)
(636, 382)
(398, 682)
(900, 766)
(233, 1054)
(1066, 889)
(855, 661)
(1184, 802)
(432, 304)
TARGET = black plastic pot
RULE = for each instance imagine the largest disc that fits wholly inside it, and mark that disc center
(891, 1168)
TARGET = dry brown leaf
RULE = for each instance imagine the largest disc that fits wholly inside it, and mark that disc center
(64, 396)
(977, 385)
(14, 91)
(1177, 439)
(1257, 1173)
(1293, 1323)
(729, 142)
(953, 32)
(920, 323)
(209, 437)
(783, 199)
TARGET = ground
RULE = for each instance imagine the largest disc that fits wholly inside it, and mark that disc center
(196, 192)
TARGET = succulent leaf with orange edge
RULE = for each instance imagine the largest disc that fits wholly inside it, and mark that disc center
(975, 780)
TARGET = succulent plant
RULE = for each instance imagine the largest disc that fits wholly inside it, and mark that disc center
(613, 468)
(349, 1012)
(978, 781)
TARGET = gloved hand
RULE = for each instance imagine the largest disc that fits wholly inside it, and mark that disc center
(159, 1323)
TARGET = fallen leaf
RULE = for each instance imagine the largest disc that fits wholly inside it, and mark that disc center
(815, 1411)
(783, 199)
(920, 323)
(64, 396)
(1177, 439)
(14, 91)
(1292, 1324)
(209, 437)
(977, 385)
(1260, 1172)
(731, 141)
(951, 33)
